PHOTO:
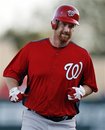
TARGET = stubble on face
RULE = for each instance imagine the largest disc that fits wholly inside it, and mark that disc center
(65, 32)
(64, 37)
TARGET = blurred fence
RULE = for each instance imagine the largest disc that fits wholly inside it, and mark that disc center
(91, 115)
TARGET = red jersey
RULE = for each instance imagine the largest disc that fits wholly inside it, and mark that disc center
(51, 71)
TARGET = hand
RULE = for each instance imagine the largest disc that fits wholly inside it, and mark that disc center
(76, 93)
(15, 95)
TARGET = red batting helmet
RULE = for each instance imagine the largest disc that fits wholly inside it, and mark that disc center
(65, 13)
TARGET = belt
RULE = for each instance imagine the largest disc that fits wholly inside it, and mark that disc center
(56, 119)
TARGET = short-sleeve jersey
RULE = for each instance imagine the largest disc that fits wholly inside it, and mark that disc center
(51, 72)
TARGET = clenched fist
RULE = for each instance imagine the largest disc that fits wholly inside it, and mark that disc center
(76, 93)
(15, 95)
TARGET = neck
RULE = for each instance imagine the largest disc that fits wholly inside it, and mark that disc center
(57, 43)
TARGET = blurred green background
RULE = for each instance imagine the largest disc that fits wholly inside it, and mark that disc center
(26, 20)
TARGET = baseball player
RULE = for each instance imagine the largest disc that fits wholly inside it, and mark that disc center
(59, 74)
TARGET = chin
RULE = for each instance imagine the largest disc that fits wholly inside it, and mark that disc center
(64, 40)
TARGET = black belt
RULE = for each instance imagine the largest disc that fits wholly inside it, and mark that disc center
(56, 119)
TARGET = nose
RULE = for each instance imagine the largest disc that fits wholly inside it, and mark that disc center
(66, 28)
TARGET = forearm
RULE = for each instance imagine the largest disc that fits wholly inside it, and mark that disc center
(11, 82)
(76, 93)
(15, 94)
(88, 90)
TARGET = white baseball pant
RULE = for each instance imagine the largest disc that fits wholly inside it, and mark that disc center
(33, 121)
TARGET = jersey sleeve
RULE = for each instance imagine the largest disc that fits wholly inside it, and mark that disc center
(89, 74)
(18, 67)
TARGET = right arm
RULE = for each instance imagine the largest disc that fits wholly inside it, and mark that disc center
(11, 82)
(14, 74)
(15, 95)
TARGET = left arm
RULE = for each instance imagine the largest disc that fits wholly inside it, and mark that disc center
(88, 90)
(77, 93)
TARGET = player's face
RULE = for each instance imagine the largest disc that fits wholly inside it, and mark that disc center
(64, 31)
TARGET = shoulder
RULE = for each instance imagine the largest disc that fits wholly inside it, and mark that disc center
(40, 41)
(37, 42)
(33, 47)
(81, 52)
(79, 49)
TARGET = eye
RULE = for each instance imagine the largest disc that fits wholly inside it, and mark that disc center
(71, 25)
(64, 24)
(68, 24)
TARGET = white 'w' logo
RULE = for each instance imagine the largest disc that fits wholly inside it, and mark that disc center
(74, 69)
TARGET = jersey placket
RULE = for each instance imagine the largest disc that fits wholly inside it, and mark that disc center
(54, 66)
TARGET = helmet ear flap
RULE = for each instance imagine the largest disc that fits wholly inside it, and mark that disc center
(54, 24)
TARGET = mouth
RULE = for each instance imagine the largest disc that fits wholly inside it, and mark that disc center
(64, 35)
